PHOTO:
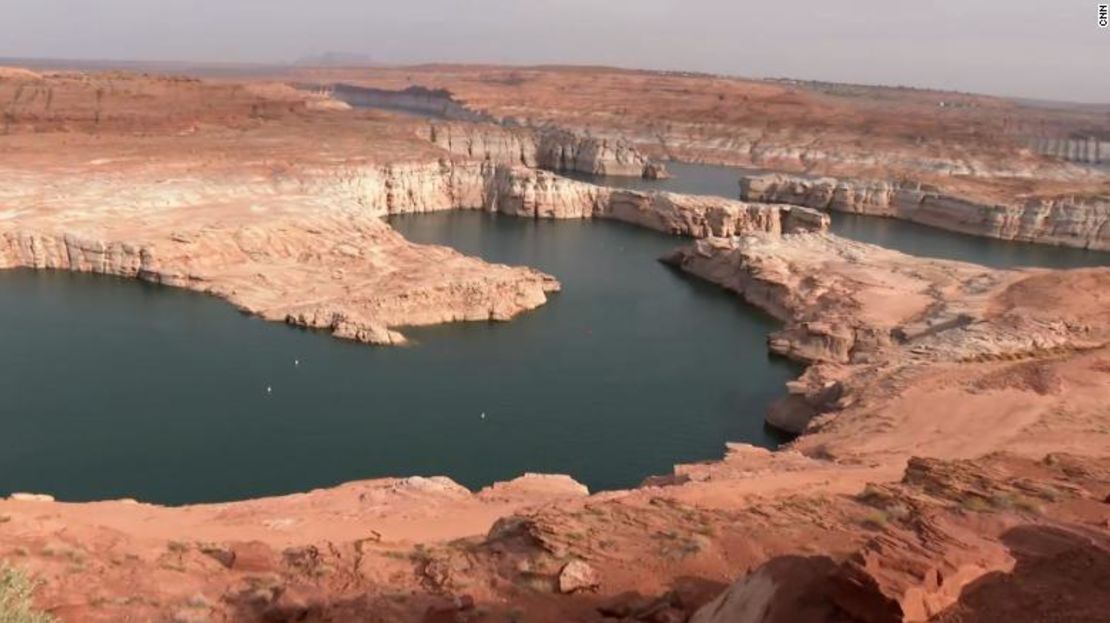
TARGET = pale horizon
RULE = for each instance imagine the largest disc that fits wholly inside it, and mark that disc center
(1016, 49)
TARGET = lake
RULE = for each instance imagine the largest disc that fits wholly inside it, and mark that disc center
(116, 388)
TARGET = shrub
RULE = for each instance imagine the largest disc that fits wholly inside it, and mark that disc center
(15, 598)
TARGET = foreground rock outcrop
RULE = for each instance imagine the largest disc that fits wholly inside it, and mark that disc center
(945, 537)
(788, 125)
(1065, 221)
(942, 540)
(328, 268)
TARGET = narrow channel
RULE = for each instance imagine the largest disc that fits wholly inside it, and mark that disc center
(904, 236)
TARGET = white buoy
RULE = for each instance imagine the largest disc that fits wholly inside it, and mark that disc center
(296, 362)
(483, 415)
(269, 390)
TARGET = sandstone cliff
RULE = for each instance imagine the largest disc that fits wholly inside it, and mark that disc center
(1063, 221)
(842, 301)
(552, 149)
(532, 193)
(305, 246)
(894, 505)
(858, 312)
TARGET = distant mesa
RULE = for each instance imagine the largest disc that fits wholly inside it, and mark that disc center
(336, 59)
(18, 73)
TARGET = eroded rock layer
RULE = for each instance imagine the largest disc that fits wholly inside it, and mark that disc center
(306, 245)
(552, 149)
(957, 161)
(532, 193)
(1065, 221)
(857, 309)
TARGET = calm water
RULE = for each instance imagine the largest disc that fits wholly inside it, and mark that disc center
(114, 388)
(911, 238)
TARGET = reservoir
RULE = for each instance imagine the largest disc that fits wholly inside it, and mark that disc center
(116, 388)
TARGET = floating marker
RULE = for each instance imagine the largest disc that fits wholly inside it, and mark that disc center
(269, 390)
(483, 415)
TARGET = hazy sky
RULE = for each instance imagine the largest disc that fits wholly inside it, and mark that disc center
(1039, 48)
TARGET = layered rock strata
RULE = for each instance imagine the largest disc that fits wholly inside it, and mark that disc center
(858, 312)
(552, 149)
(537, 194)
(1064, 221)
(307, 248)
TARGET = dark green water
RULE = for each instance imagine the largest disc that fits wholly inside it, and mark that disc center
(115, 388)
(907, 237)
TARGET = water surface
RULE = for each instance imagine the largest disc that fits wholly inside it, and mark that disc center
(115, 388)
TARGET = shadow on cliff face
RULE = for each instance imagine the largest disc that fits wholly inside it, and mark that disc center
(1060, 575)
(786, 589)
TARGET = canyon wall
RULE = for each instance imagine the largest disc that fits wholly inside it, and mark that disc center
(826, 152)
(474, 134)
(552, 149)
(1065, 221)
(529, 192)
(308, 247)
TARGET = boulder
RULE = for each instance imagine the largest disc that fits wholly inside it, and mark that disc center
(577, 576)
